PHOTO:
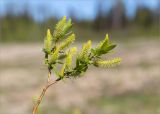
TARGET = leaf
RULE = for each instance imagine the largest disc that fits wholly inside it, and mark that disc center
(103, 47)
(108, 48)
(105, 50)
(55, 71)
(103, 42)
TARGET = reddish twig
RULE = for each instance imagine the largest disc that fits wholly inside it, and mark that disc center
(49, 83)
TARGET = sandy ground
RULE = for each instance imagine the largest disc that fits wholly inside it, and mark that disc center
(22, 75)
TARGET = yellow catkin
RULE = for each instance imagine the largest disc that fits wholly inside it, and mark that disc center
(86, 47)
(59, 28)
(61, 23)
(54, 55)
(68, 63)
(107, 63)
(69, 57)
(67, 41)
(48, 40)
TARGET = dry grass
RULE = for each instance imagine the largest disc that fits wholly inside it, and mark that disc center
(132, 88)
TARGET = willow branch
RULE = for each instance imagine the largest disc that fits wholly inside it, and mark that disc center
(50, 83)
(49, 74)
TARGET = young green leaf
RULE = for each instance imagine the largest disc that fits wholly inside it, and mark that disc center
(103, 47)
(55, 71)
(103, 42)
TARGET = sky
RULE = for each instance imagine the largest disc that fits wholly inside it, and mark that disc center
(82, 9)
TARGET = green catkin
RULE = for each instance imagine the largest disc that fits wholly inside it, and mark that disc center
(58, 33)
(85, 49)
(68, 62)
(61, 23)
(67, 26)
(70, 54)
(67, 41)
(54, 56)
(48, 42)
(107, 63)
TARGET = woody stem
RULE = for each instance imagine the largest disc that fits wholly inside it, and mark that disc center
(49, 83)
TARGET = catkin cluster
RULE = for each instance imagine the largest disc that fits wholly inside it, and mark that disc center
(57, 51)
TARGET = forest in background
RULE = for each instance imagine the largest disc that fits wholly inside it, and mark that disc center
(23, 28)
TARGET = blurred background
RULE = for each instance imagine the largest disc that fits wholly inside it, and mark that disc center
(131, 88)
